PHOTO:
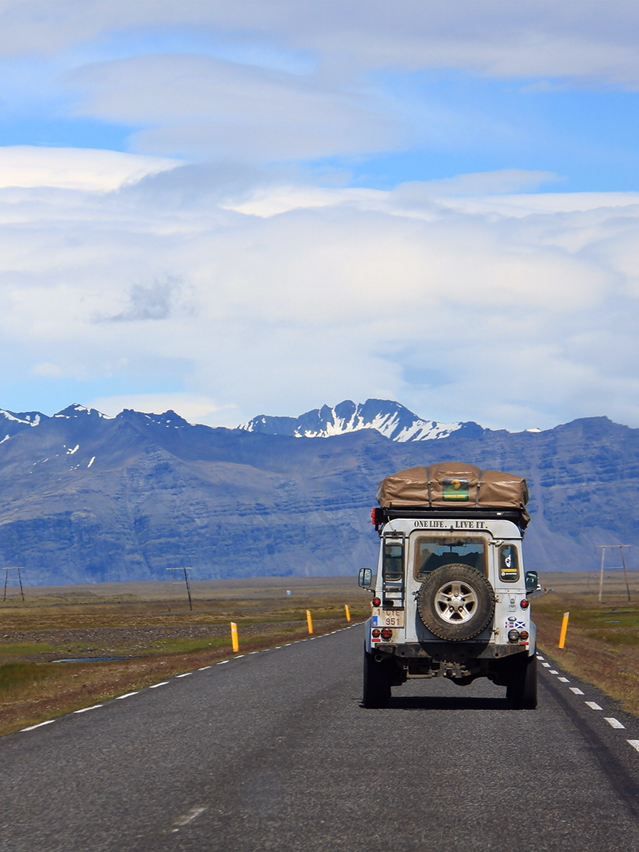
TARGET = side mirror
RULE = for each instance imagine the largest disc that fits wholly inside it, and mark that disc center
(532, 582)
(365, 578)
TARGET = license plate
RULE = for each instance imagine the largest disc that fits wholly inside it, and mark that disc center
(389, 618)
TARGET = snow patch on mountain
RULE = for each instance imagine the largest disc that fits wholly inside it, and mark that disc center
(389, 418)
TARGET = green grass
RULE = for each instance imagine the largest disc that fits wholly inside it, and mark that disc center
(188, 646)
(25, 649)
(15, 676)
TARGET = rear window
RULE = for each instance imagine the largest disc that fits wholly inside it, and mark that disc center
(393, 564)
(431, 552)
(508, 563)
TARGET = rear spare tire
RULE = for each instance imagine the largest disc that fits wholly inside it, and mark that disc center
(455, 602)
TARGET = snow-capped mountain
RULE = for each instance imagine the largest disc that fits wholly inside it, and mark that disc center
(86, 498)
(389, 418)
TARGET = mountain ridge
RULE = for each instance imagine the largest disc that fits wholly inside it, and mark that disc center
(85, 498)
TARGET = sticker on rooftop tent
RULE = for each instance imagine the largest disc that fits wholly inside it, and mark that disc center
(456, 489)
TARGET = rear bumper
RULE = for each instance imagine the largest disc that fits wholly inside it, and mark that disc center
(461, 652)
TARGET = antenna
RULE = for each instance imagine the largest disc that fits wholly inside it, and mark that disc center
(603, 548)
(185, 568)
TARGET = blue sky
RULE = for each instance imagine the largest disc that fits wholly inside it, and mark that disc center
(211, 208)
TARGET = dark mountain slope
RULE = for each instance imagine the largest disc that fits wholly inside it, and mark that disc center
(90, 498)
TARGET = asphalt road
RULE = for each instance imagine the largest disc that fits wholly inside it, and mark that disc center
(274, 751)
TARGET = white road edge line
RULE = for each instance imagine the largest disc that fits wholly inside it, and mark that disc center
(204, 668)
(39, 725)
(186, 674)
(162, 683)
(126, 695)
(592, 704)
(576, 690)
(614, 723)
(238, 656)
(634, 744)
(86, 709)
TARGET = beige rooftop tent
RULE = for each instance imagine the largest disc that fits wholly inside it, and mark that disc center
(450, 484)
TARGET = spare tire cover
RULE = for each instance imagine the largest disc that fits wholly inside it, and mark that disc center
(455, 602)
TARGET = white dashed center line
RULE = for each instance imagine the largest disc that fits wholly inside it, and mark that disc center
(614, 723)
(634, 744)
(546, 665)
(188, 817)
(593, 705)
(553, 671)
(563, 679)
(576, 690)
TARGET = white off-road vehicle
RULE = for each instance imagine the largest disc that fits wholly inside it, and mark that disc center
(451, 597)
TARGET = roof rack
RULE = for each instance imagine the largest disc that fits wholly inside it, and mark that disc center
(383, 515)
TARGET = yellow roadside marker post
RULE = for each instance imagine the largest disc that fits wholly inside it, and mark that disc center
(564, 630)
(235, 639)
(309, 622)
(347, 610)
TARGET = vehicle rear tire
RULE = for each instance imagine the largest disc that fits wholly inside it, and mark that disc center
(456, 602)
(377, 682)
(522, 688)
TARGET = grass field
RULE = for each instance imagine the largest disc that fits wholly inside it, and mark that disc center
(150, 631)
(602, 646)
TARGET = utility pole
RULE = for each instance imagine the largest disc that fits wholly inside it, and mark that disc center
(603, 548)
(186, 583)
(6, 580)
(601, 571)
(622, 547)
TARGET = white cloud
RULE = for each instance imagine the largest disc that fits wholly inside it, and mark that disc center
(24, 166)
(200, 106)
(585, 40)
(510, 310)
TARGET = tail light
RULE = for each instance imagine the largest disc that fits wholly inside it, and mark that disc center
(523, 634)
(387, 633)
(376, 517)
(377, 602)
(524, 604)
(376, 632)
